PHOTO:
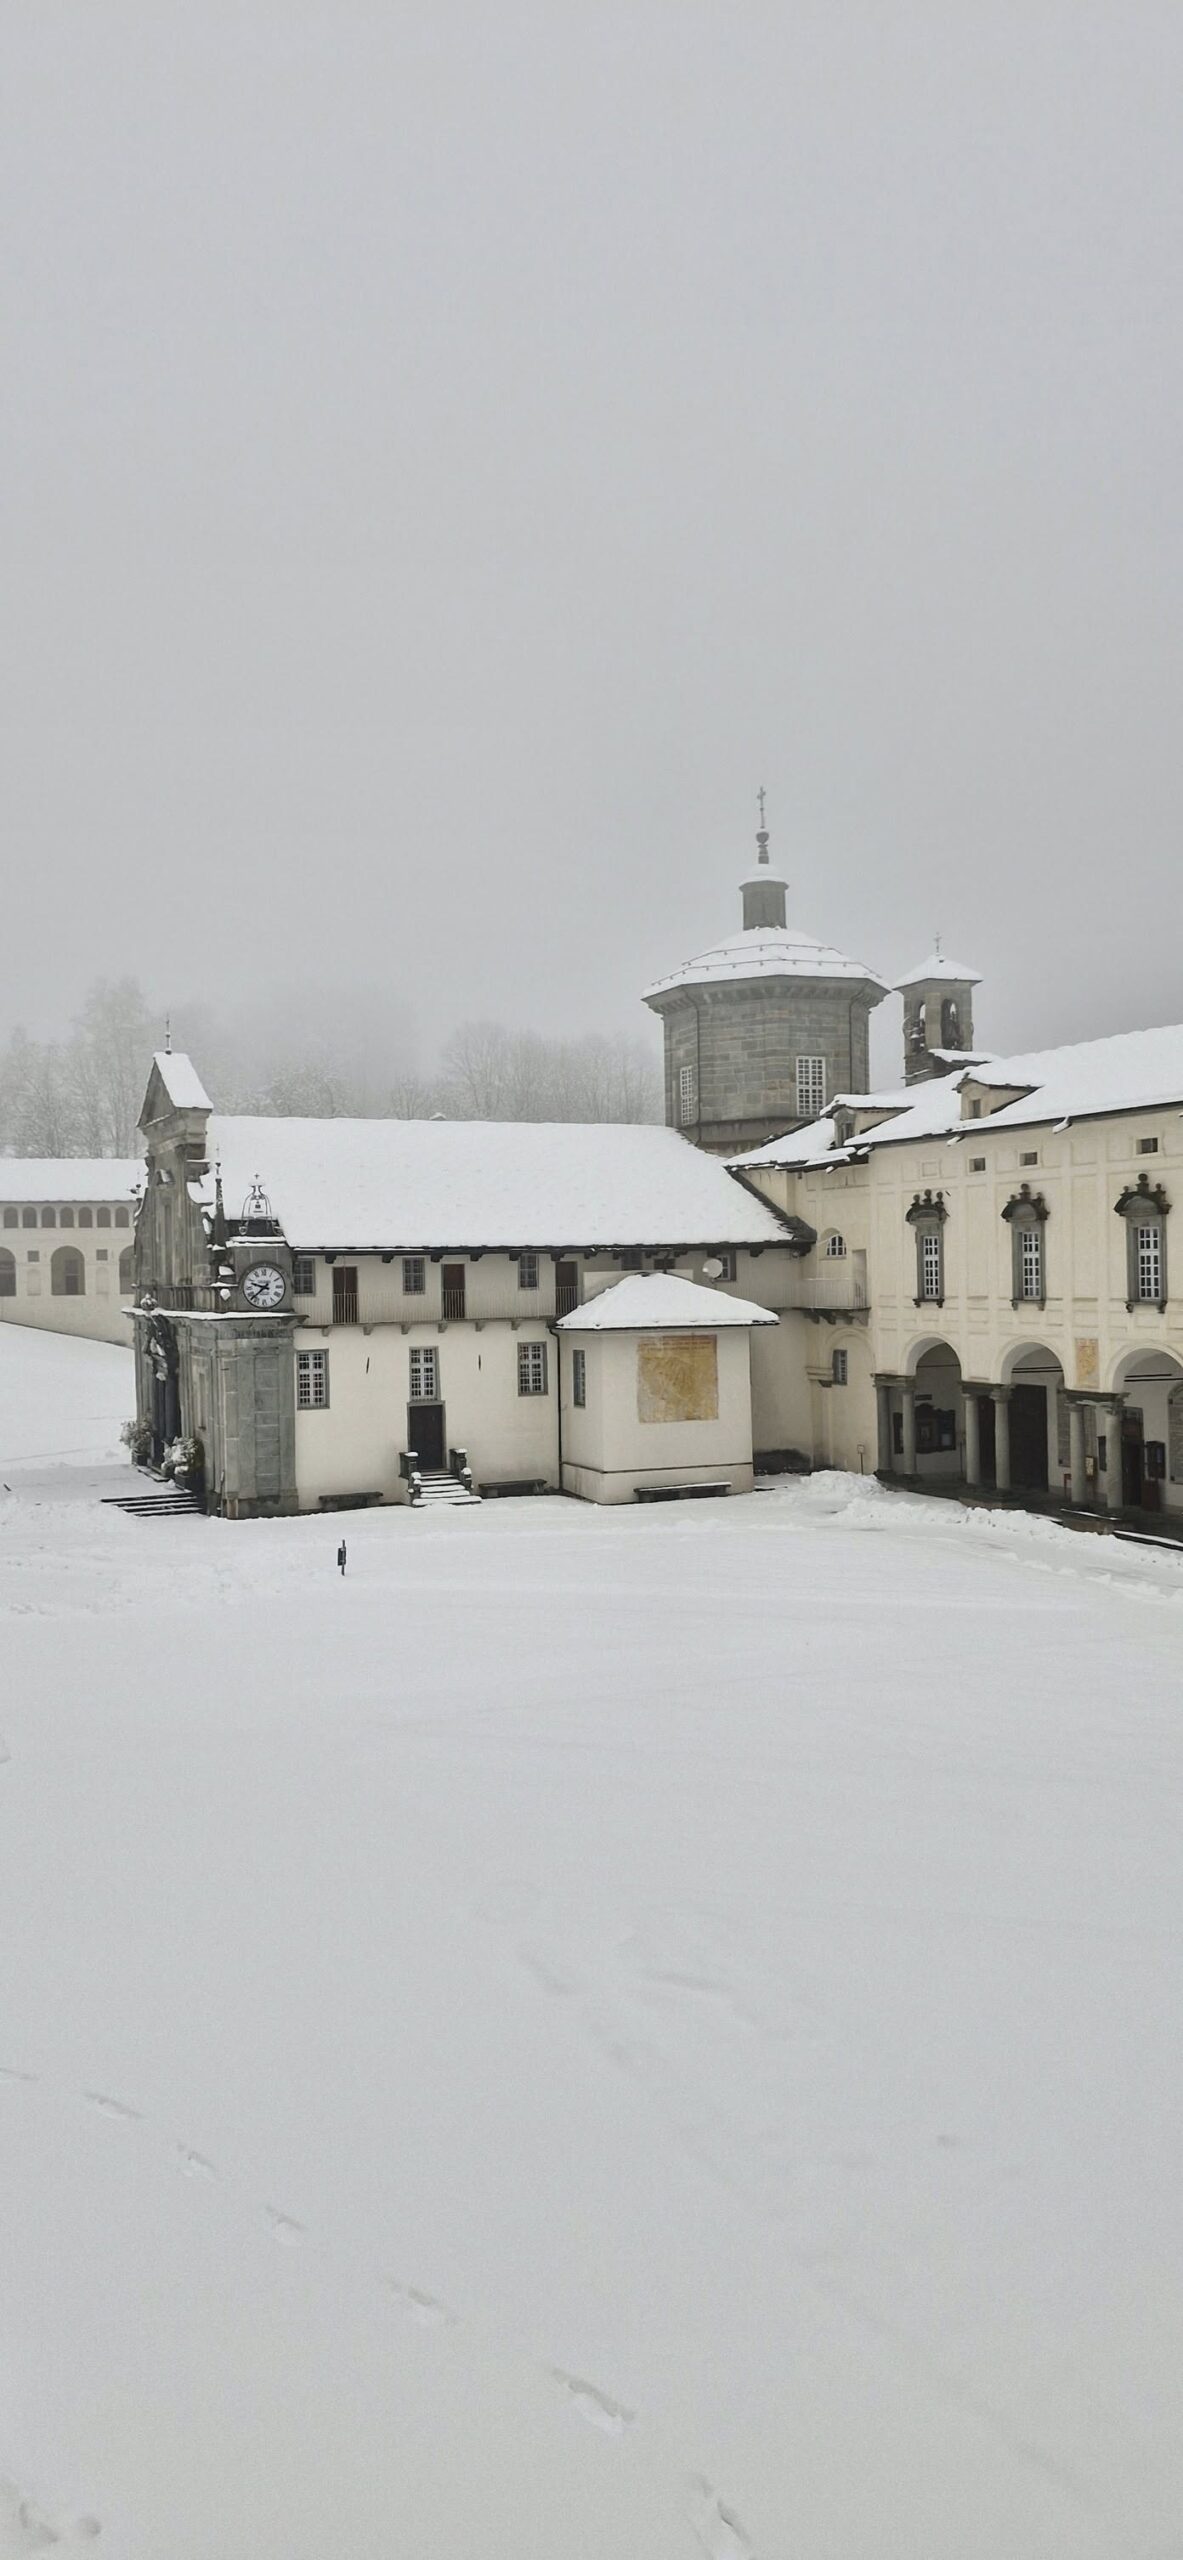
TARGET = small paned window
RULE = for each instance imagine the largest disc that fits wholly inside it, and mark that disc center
(425, 1375)
(1032, 1156)
(7, 1275)
(838, 1368)
(527, 1270)
(531, 1368)
(930, 1266)
(101, 1253)
(86, 1217)
(126, 1276)
(11, 1218)
(28, 1217)
(123, 1218)
(1031, 1262)
(414, 1275)
(1148, 1262)
(312, 1381)
(1148, 1146)
(102, 1217)
(835, 1248)
(977, 1164)
(49, 1217)
(686, 1095)
(303, 1275)
(65, 1217)
(728, 1262)
(34, 1253)
(811, 1087)
(578, 1374)
(975, 1110)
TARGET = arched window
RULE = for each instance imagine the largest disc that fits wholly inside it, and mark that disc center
(49, 1217)
(12, 1218)
(67, 1272)
(835, 1248)
(102, 1217)
(65, 1217)
(85, 1218)
(122, 1218)
(7, 1273)
(125, 1272)
(28, 1217)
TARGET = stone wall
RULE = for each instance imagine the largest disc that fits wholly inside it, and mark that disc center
(742, 1044)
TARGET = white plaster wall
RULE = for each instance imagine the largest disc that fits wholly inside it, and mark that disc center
(98, 1314)
(353, 1446)
(632, 1452)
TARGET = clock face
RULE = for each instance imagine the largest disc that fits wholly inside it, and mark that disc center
(264, 1286)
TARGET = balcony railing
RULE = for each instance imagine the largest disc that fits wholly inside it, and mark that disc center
(837, 1291)
(344, 1305)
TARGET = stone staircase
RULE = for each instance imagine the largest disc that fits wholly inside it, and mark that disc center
(438, 1489)
(165, 1502)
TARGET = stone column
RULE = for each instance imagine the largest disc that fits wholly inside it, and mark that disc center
(886, 1459)
(973, 1444)
(1001, 1400)
(1112, 1413)
(908, 1392)
(1080, 1482)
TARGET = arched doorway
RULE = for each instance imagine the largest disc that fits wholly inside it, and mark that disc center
(1038, 1416)
(934, 1372)
(1151, 1383)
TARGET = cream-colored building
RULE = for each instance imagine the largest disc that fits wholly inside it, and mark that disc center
(342, 1312)
(655, 1390)
(66, 1244)
(1022, 1326)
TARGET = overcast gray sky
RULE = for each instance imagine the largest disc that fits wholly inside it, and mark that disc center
(451, 456)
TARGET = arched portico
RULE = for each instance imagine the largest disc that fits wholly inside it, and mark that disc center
(920, 1414)
(1146, 1419)
(1037, 1418)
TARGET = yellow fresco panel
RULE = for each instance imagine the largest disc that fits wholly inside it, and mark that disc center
(678, 1378)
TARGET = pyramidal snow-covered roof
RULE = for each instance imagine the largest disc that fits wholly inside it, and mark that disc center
(1129, 1071)
(390, 1186)
(661, 1302)
(69, 1177)
(943, 970)
(765, 951)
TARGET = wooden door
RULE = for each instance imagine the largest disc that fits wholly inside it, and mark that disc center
(425, 1434)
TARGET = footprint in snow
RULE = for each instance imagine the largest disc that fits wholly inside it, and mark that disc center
(594, 2405)
(8, 2071)
(283, 2228)
(193, 2164)
(24, 2527)
(422, 2307)
(718, 2528)
(116, 2107)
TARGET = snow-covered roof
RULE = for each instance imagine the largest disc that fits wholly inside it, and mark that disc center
(660, 1302)
(1129, 1071)
(944, 971)
(181, 1081)
(765, 951)
(69, 1177)
(797, 1147)
(454, 1185)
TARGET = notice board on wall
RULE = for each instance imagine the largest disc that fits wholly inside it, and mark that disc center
(678, 1378)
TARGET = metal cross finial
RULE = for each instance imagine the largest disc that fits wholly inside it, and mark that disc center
(168, 1036)
(760, 798)
(937, 946)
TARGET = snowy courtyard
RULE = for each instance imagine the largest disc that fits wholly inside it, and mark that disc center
(598, 2036)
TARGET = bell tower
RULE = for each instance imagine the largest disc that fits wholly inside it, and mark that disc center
(938, 1015)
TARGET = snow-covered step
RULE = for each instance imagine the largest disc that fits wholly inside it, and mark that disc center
(171, 1503)
(439, 1488)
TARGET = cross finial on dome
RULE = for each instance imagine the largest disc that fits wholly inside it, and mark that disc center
(762, 830)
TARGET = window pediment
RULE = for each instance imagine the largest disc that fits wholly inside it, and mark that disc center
(1026, 1207)
(1142, 1199)
(928, 1209)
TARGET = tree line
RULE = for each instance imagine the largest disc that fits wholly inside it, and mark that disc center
(324, 1056)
